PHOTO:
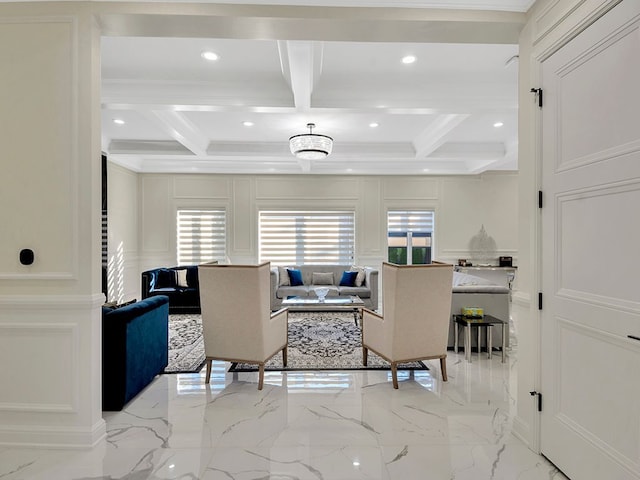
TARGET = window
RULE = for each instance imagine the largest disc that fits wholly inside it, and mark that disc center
(409, 235)
(201, 236)
(298, 237)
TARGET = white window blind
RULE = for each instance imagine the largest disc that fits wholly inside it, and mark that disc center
(410, 221)
(409, 236)
(201, 236)
(307, 237)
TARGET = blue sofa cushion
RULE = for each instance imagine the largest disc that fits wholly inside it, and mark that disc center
(295, 277)
(165, 278)
(348, 279)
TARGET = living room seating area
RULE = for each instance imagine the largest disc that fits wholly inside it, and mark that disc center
(302, 280)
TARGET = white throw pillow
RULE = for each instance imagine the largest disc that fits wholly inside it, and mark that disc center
(319, 278)
(360, 277)
(182, 278)
(283, 276)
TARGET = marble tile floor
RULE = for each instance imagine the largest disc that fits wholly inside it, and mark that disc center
(338, 425)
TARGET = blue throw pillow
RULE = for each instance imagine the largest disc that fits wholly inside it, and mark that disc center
(295, 277)
(166, 278)
(348, 279)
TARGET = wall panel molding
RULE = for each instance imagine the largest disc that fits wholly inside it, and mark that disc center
(47, 168)
(61, 338)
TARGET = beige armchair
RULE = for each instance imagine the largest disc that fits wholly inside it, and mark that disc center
(237, 322)
(414, 324)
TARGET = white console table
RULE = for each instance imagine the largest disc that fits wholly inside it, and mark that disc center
(499, 275)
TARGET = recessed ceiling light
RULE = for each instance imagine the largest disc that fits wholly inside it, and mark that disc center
(118, 121)
(425, 170)
(498, 124)
(209, 56)
(247, 124)
(373, 124)
(409, 59)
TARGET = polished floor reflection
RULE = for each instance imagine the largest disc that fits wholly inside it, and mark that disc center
(307, 425)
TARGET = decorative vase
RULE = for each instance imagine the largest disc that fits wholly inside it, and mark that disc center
(321, 293)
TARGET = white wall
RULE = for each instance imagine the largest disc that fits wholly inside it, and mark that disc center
(462, 204)
(122, 206)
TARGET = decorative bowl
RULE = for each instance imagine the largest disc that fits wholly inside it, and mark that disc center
(321, 292)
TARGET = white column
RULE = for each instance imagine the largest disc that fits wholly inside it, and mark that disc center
(50, 317)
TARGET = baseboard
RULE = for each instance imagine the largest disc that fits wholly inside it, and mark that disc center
(522, 431)
(71, 438)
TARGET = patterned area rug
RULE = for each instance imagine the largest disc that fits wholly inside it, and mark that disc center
(186, 348)
(324, 341)
(317, 341)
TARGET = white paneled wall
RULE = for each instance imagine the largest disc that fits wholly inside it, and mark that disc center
(122, 234)
(462, 204)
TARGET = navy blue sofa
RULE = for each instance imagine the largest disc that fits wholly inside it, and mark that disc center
(180, 284)
(135, 348)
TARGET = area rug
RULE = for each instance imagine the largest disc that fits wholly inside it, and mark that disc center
(186, 347)
(324, 341)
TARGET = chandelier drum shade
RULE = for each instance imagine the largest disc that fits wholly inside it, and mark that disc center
(310, 146)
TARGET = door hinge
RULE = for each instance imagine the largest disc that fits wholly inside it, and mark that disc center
(539, 300)
(539, 395)
(538, 92)
(539, 198)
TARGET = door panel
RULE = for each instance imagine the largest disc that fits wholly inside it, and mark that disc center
(590, 375)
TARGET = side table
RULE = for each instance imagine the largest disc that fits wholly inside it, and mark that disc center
(487, 322)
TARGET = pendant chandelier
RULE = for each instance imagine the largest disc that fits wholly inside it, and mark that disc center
(311, 146)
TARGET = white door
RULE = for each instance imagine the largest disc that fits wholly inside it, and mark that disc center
(590, 376)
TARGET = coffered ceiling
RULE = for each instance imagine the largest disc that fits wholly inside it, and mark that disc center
(452, 111)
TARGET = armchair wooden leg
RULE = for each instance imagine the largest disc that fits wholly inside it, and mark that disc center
(284, 356)
(394, 374)
(443, 368)
(365, 356)
(260, 376)
(207, 378)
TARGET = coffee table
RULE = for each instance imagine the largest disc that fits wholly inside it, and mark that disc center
(352, 303)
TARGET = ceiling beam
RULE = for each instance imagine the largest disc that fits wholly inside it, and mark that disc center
(178, 127)
(301, 64)
(287, 22)
(435, 134)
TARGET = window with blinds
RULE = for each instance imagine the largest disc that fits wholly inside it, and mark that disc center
(409, 235)
(202, 236)
(307, 237)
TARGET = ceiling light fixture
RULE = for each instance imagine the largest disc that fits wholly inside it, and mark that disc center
(373, 124)
(210, 56)
(409, 59)
(247, 124)
(118, 121)
(498, 124)
(310, 146)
